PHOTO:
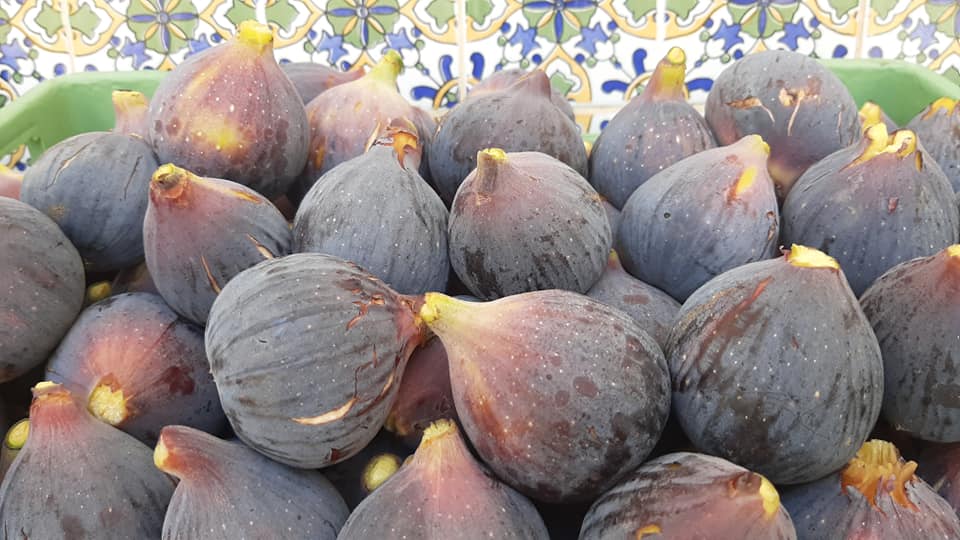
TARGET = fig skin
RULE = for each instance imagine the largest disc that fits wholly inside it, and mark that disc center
(230, 112)
(690, 496)
(442, 492)
(772, 355)
(138, 366)
(424, 396)
(130, 112)
(326, 343)
(938, 128)
(229, 491)
(914, 309)
(311, 79)
(10, 183)
(504, 78)
(720, 205)
(200, 232)
(800, 108)
(77, 477)
(529, 371)
(525, 221)
(42, 277)
(940, 466)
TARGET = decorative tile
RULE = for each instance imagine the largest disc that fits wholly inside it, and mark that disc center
(916, 31)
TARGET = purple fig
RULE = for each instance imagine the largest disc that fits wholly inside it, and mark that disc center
(871, 114)
(940, 466)
(504, 78)
(130, 113)
(10, 182)
(938, 128)
(13, 442)
(424, 395)
(311, 79)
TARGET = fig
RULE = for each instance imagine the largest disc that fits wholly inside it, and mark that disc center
(376, 211)
(13, 442)
(139, 367)
(42, 279)
(356, 478)
(518, 118)
(424, 395)
(653, 131)
(228, 491)
(443, 493)
(772, 355)
(871, 114)
(559, 394)
(307, 352)
(200, 232)
(872, 206)
(230, 112)
(613, 216)
(77, 477)
(940, 466)
(791, 100)
(705, 215)
(877, 495)
(10, 182)
(938, 128)
(504, 78)
(311, 79)
(525, 221)
(130, 112)
(689, 495)
(915, 312)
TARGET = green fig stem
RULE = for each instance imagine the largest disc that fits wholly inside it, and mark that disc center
(807, 257)
(878, 467)
(387, 69)
(668, 82)
(439, 310)
(256, 35)
(490, 162)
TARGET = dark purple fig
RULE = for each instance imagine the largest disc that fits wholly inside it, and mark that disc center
(915, 312)
(135, 279)
(653, 131)
(94, 186)
(200, 232)
(776, 368)
(10, 182)
(230, 112)
(356, 478)
(307, 352)
(139, 367)
(518, 118)
(871, 114)
(130, 112)
(376, 211)
(690, 496)
(653, 309)
(940, 466)
(505, 78)
(877, 495)
(228, 491)
(442, 492)
(41, 276)
(791, 100)
(311, 79)
(13, 442)
(938, 128)
(525, 221)
(77, 477)
(872, 206)
(705, 215)
(424, 395)
(560, 395)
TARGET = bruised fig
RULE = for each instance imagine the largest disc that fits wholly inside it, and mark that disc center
(311, 79)
(13, 442)
(200, 232)
(228, 491)
(940, 466)
(442, 492)
(356, 478)
(938, 128)
(424, 395)
(687, 495)
(877, 495)
(505, 78)
(701, 217)
(10, 182)
(653, 131)
(559, 394)
(871, 114)
(130, 112)
(230, 112)
(525, 221)
(77, 477)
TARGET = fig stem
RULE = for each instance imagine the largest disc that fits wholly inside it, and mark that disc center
(941, 104)
(953, 251)
(878, 466)
(378, 470)
(17, 435)
(870, 116)
(668, 82)
(169, 181)
(438, 309)
(903, 143)
(807, 257)
(108, 404)
(489, 162)
(388, 68)
(257, 35)
(769, 496)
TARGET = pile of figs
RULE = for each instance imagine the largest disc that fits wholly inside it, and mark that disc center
(281, 302)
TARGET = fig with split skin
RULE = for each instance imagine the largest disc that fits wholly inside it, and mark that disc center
(424, 395)
(504, 78)
(938, 128)
(130, 112)
(940, 467)
(311, 79)
(10, 182)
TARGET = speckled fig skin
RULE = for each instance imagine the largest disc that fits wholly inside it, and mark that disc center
(772, 355)
(307, 352)
(139, 367)
(311, 79)
(42, 277)
(504, 78)
(424, 395)
(876, 496)
(653, 131)
(376, 211)
(798, 106)
(940, 467)
(690, 496)
(525, 221)
(518, 118)
(915, 312)
(442, 492)
(228, 491)
(77, 477)
(230, 112)
(885, 184)
(559, 394)
(130, 110)
(10, 183)
(938, 128)
(720, 205)
(200, 232)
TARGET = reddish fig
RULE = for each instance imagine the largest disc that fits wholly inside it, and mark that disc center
(311, 79)
(424, 395)
(940, 466)
(13, 442)
(505, 78)
(130, 112)
(938, 128)
(871, 114)
(10, 182)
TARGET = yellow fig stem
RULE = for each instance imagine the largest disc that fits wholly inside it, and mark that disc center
(257, 35)
(97, 292)
(770, 497)
(878, 467)
(668, 82)
(388, 68)
(953, 251)
(161, 455)
(807, 257)
(170, 181)
(902, 143)
(439, 309)
(17, 435)
(380, 468)
(870, 115)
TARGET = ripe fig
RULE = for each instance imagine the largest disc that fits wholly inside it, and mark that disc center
(424, 395)
(937, 128)
(871, 114)
(772, 355)
(701, 217)
(13, 442)
(356, 478)
(130, 112)
(872, 206)
(230, 112)
(559, 394)
(504, 78)
(653, 131)
(10, 182)
(228, 491)
(688, 495)
(525, 221)
(442, 492)
(311, 79)
(791, 100)
(940, 466)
